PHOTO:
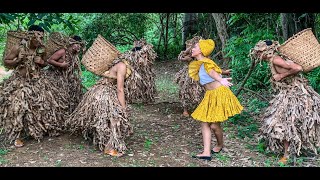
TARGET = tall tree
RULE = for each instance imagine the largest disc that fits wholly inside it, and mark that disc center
(189, 23)
(294, 22)
(221, 24)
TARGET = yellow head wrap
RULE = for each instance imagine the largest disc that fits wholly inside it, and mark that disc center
(206, 46)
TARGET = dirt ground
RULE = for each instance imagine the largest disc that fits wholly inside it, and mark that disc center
(162, 138)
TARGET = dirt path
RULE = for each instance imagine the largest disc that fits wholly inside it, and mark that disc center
(162, 138)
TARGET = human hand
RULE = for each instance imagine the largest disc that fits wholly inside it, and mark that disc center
(186, 58)
(21, 56)
(227, 72)
(64, 64)
(225, 82)
(38, 59)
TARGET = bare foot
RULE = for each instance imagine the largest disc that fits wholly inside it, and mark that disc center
(18, 143)
(113, 152)
(185, 114)
(283, 160)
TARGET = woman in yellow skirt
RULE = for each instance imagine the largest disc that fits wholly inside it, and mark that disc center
(218, 104)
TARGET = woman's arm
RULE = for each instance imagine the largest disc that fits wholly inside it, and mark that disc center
(13, 58)
(121, 73)
(290, 68)
(54, 59)
(217, 77)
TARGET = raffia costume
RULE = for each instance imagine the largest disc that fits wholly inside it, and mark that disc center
(293, 114)
(66, 83)
(100, 115)
(25, 102)
(141, 88)
(218, 104)
(190, 91)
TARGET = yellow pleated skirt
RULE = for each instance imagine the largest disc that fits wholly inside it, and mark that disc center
(217, 106)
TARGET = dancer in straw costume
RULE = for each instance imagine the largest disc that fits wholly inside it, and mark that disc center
(63, 76)
(292, 120)
(24, 101)
(102, 115)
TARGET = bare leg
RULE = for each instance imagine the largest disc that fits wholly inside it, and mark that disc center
(206, 135)
(286, 153)
(217, 130)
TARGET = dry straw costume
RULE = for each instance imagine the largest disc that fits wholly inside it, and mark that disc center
(64, 75)
(190, 91)
(100, 115)
(218, 104)
(24, 100)
(292, 120)
(141, 88)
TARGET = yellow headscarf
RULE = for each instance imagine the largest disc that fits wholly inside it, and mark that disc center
(206, 46)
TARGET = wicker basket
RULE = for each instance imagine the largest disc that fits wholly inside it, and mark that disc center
(56, 41)
(303, 48)
(99, 56)
(13, 38)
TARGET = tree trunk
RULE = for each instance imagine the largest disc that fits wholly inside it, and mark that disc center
(221, 26)
(188, 29)
(293, 23)
(161, 31)
(166, 38)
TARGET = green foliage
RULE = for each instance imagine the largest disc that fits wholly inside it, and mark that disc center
(238, 48)
(245, 124)
(156, 31)
(261, 146)
(246, 30)
(255, 105)
(166, 85)
(45, 20)
(89, 79)
(58, 163)
(138, 106)
(223, 158)
(147, 144)
(314, 78)
(117, 28)
(3, 151)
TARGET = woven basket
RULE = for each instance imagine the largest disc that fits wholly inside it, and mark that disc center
(99, 56)
(303, 48)
(56, 41)
(13, 38)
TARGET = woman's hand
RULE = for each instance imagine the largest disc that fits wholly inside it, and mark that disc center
(21, 56)
(225, 82)
(227, 72)
(38, 60)
(64, 64)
